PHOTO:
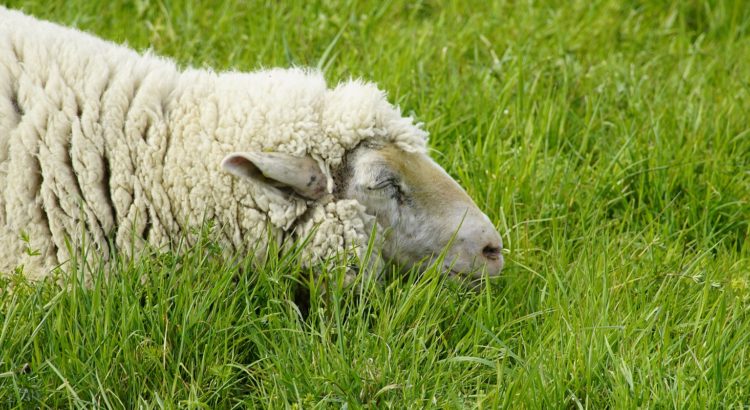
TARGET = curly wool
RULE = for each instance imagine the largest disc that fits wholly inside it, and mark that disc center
(100, 145)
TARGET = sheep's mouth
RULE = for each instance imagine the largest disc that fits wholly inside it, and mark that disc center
(471, 281)
(475, 274)
(468, 279)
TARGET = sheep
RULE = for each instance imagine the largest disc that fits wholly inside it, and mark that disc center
(106, 148)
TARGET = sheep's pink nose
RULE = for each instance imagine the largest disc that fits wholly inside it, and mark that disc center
(492, 252)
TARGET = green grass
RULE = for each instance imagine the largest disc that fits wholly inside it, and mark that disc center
(610, 142)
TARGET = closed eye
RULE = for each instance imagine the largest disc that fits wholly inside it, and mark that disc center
(392, 188)
(388, 182)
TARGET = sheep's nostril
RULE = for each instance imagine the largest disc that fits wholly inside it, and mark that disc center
(491, 252)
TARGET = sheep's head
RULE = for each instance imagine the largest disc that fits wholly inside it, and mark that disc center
(420, 208)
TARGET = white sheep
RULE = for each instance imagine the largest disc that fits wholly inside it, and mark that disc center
(100, 145)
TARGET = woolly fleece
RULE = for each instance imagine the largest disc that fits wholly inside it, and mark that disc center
(101, 145)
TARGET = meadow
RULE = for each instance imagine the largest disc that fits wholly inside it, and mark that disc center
(608, 140)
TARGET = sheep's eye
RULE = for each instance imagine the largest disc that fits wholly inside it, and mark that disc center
(392, 188)
(385, 183)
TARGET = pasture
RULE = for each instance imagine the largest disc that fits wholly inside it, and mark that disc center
(608, 140)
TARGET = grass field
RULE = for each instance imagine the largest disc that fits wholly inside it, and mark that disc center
(608, 140)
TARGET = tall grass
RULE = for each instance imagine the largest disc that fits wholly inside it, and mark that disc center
(609, 140)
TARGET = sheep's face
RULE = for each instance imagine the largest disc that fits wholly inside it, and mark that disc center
(422, 209)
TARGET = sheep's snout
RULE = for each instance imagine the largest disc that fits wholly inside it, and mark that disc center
(493, 258)
(477, 248)
(492, 252)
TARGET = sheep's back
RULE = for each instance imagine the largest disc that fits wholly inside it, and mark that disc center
(82, 139)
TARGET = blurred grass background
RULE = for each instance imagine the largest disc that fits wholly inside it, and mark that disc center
(609, 140)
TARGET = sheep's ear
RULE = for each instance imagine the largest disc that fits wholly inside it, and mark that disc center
(301, 174)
